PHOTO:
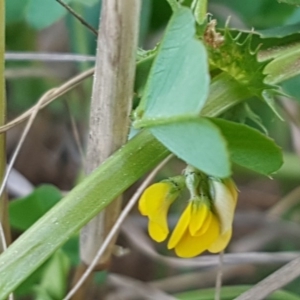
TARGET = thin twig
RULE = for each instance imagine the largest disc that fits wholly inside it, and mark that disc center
(288, 201)
(21, 141)
(142, 243)
(76, 134)
(219, 277)
(116, 227)
(78, 17)
(199, 279)
(48, 57)
(15, 73)
(48, 97)
(275, 281)
(139, 289)
(110, 109)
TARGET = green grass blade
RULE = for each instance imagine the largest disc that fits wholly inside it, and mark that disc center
(116, 174)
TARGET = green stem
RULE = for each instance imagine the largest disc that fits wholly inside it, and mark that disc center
(87, 199)
(3, 198)
(200, 10)
(225, 92)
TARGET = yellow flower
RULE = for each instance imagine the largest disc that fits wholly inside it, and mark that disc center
(155, 203)
(224, 195)
(197, 228)
(205, 224)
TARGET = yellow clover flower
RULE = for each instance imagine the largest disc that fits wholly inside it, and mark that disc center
(205, 224)
(155, 203)
(197, 228)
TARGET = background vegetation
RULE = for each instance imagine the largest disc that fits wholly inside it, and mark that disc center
(51, 160)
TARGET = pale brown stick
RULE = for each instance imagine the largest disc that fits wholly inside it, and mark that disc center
(274, 282)
(110, 108)
(48, 97)
(219, 277)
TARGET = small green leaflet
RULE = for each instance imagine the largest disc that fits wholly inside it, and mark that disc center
(178, 82)
(40, 14)
(283, 67)
(250, 148)
(36, 205)
(198, 142)
(43, 13)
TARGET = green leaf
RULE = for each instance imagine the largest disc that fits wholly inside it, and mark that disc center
(143, 68)
(257, 14)
(279, 32)
(291, 2)
(14, 10)
(86, 2)
(178, 82)
(220, 99)
(284, 66)
(43, 13)
(71, 248)
(251, 115)
(26, 287)
(35, 205)
(291, 87)
(271, 38)
(236, 57)
(198, 142)
(54, 280)
(250, 148)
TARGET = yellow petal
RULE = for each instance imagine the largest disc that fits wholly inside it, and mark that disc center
(224, 204)
(154, 197)
(199, 213)
(158, 231)
(190, 246)
(206, 224)
(155, 203)
(221, 243)
(181, 227)
(232, 187)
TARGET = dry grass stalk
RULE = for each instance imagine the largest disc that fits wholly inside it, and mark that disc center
(110, 108)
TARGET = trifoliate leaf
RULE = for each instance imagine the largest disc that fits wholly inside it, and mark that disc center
(198, 142)
(178, 83)
(250, 148)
